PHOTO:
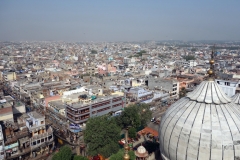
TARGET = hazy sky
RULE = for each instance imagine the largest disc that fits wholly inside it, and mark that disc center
(119, 20)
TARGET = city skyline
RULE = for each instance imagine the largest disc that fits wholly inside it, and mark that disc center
(118, 21)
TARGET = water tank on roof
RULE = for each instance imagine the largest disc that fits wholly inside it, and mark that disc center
(93, 97)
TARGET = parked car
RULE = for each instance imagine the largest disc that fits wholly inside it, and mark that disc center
(153, 119)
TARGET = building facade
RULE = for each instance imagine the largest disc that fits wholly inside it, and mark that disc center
(79, 113)
(229, 87)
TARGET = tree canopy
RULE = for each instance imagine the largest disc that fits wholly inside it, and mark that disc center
(189, 57)
(93, 51)
(65, 153)
(120, 153)
(132, 132)
(182, 92)
(76, 157)
(135, 115)
(102, 135)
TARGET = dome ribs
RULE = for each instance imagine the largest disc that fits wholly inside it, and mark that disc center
(175, 114)
(209, 92)
(178, 126)
(228, 146)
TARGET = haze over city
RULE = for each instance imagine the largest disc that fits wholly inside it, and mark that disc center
(118, 20)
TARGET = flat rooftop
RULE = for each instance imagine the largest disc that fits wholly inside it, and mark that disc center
(35, 114)
(58, 104)
(99, 99)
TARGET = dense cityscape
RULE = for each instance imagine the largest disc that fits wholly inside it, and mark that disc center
(82, 101)
(119, 80)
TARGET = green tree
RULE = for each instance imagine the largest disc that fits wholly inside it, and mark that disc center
(120, 153)
(93, 51)
(65, 153)
(56, 156)
(132, 132)
(135, 115)
(101, 136)
(76, 157)
(130, 117)
(132, 155)
(182, 92)
(189, 57)
(145, 114)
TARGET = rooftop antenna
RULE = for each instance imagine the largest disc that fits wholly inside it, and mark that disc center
(211, 71)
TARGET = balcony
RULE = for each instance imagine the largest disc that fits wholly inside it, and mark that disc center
(43, 135)
(77, 121)
(36, 127)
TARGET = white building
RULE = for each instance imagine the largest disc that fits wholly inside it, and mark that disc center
(140, 94)
(229, 87)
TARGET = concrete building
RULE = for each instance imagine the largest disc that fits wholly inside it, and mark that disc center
(140, 94)
(58, 106)
(170, 86)
(229, 87)
(8, 76)
(6, 111)
(79, 112)
(40, 134)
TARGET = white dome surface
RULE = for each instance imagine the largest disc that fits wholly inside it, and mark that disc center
(141, 150)
(236, 98)
(204, 125)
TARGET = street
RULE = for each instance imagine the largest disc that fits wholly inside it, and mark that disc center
(157, 114)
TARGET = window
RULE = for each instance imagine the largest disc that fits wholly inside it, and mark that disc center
(38, 141)
(50, 137)
(227, 83)
(34, 143)
(42, 140)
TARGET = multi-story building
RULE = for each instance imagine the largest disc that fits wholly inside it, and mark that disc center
(40, 134)
(190, 63)
(170, 86)
(8, 76)
(6, 111)
(30, 137)
(58, 107)
(229, 87)
(80, 112)
(140, 94)
(2, 153)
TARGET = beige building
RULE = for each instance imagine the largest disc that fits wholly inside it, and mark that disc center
(8, 76)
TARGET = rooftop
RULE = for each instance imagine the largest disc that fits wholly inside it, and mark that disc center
(35, 115)
(99, 99)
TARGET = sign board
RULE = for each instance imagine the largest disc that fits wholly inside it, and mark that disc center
(11, 146)
(74, 126)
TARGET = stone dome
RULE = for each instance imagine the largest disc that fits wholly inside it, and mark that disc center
(141, 150)
(203, 125)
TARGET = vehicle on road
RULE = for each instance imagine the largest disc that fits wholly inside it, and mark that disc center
(153, 119)
(157, 121)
